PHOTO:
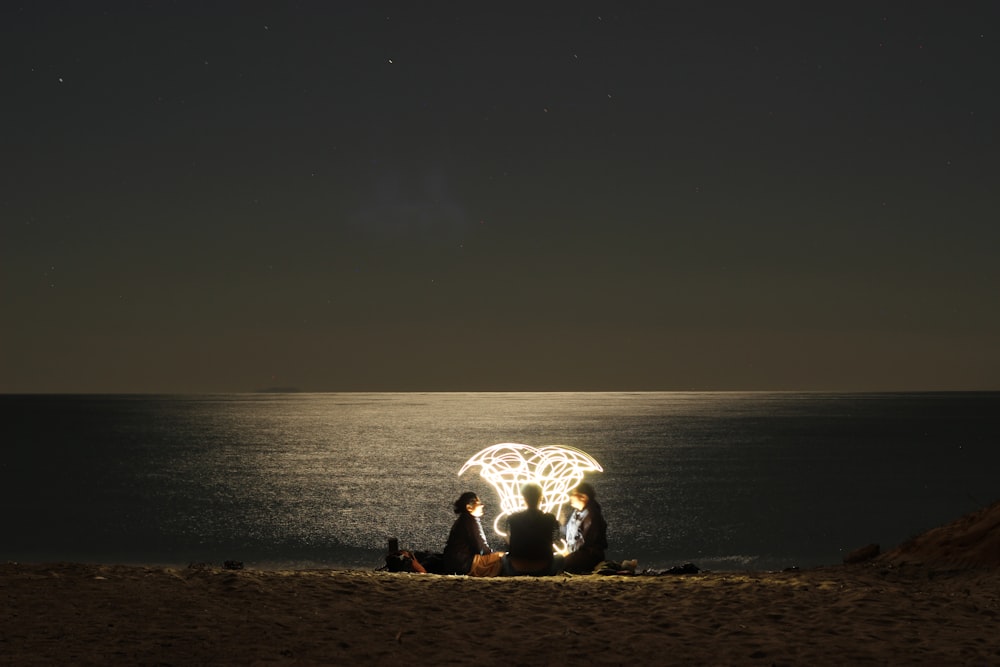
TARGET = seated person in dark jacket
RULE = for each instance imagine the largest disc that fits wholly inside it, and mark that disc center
(467, 551)
(530, 534)
(586, 531)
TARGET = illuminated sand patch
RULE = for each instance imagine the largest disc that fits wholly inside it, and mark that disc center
(510, 465)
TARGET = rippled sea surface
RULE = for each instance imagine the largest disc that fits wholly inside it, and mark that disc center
(725, 480)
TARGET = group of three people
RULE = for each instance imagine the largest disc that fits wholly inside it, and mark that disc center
(530, 536)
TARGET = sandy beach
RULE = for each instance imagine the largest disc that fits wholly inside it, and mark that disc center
(934, 601)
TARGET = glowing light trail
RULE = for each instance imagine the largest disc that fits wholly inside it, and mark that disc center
(510, 465)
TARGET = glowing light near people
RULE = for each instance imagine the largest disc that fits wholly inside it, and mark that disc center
(510, 465)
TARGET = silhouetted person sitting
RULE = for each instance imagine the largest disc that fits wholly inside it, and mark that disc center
(530, 534)
(467, 551)
(586, 531)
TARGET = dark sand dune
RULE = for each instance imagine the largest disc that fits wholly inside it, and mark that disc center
(970, 542)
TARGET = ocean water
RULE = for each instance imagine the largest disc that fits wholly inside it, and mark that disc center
(729, 481)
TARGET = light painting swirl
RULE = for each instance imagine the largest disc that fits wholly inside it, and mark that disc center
(508, 466)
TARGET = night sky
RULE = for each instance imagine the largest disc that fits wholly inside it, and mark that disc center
(409, 196)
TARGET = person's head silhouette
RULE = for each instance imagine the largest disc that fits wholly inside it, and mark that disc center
(532, 494)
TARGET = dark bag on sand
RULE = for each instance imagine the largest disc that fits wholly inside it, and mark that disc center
(403, 561)
(399, 562)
